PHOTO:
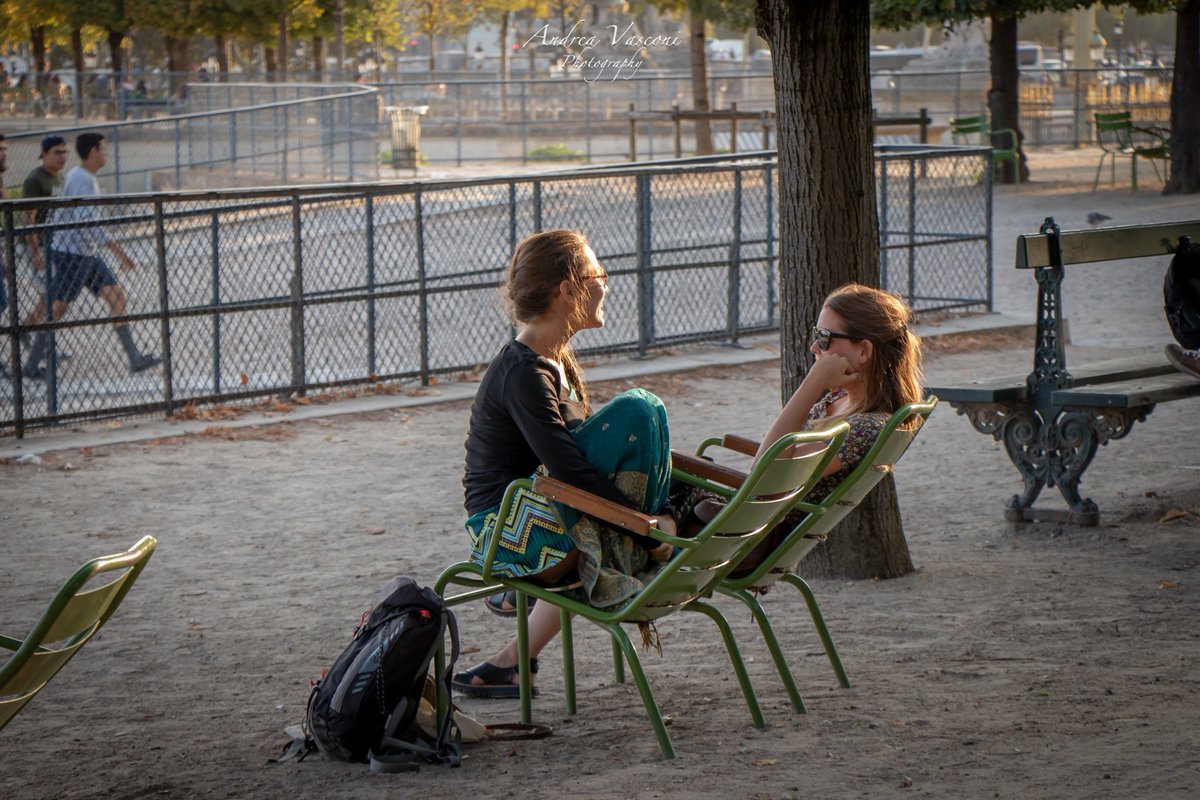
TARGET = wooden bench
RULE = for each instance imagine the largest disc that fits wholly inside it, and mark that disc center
(1053, 420)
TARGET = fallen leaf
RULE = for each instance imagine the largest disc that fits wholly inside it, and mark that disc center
(245, 379)
(116, 423)
(1174, 514)
(906, 781)
(376, 531)
(767, 762)
(1165, 584)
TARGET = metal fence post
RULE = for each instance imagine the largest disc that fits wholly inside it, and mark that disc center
(912, 232)
(733, 289)
(9, 276)
(285, 149)
(372, 366)
(512, 215)
(215, 241)
(233, 147)
(164, 316)
(116, 151)
(884, 231)
(458, 123)
(524, 127)
(178, 160)
(988, 181)
(772, 266)
(644, 274)
(587, 119)
(423, 296)
(297, 305)
(537, 206)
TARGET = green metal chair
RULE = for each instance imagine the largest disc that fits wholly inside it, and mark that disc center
(1118, 137)
(975, 130)
(893, 441)
(784, 474)
(75, 614)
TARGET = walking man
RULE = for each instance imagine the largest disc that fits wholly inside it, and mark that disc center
(75, 260)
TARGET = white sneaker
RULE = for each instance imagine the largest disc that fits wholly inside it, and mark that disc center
(1186, 361)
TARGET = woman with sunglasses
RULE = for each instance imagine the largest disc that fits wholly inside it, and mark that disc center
(868, 364)
(531, 413)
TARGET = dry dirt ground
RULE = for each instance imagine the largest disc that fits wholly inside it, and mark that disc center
(1030, 661)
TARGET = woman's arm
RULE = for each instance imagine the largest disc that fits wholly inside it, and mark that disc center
(830, 370)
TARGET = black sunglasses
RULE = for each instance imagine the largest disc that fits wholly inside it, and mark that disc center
(823, 336)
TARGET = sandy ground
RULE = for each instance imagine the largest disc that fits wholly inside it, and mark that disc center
(1033, 661)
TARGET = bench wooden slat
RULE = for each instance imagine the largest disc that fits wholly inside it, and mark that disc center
(1104, 244)
(1130, 393)
(1011, 388)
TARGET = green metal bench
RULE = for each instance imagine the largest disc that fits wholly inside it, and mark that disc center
(1053, 420)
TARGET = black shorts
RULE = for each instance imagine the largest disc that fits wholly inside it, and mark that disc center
(72, 272)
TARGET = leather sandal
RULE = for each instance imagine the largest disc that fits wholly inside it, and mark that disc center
(497, 681)
(504, 604)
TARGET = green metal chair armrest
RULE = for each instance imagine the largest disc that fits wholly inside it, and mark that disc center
(1008, 133)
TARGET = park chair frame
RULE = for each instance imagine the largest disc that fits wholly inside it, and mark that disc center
(1118, 138)
(964, 129)
(781, 477)
(78, 610)
(889, 446)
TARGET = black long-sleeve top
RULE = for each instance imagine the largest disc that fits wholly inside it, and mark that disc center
(521, 418)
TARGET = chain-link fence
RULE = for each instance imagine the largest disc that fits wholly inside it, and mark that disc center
(249, 293)
(235, 135)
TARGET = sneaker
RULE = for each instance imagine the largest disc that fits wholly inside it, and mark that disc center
(143, 362)
(1186, 361)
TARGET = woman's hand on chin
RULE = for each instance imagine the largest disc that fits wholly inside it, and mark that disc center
(831, 371)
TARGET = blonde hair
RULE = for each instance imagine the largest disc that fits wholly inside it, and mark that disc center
(893, 376)
(539, 264)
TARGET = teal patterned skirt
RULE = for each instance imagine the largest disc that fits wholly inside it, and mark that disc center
(629, 441)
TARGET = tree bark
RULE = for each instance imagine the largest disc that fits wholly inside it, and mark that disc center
(282, 56)
(179, 64)
(269, 63)
(505, 22)
(700, 101)
(1185, 100)
(77, 57)
(828, 226)
(37, 40)
(221, 44)
(318, 58)
(339, 24)
(1005, 95)
(116, 41)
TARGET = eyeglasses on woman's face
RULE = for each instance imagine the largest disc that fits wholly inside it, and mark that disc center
(823, 337)
(601, 275)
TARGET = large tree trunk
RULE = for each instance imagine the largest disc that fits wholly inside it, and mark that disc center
(700, 102)
(318, 58)
(1004, 98)
(179, 64)
(505, 22)
(1185, 100)
(828, 226)
(339, 24)
(37, 40)
(269, 63)
(221, 44)
(282, 54)
(77, 57)
(116, 42)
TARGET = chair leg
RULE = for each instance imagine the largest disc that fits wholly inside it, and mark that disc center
(735, 656)
(523, 657)
(618, 663)
(639, 678)
(1133, 170)
(1099, 169)
(568, 650)
(819, 621)
(768, 634)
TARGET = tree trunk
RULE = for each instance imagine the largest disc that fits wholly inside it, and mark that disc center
(339, 24)
(282, 56)
(318, 58)
(1185, 94)
(700, 103)
(179, 64)
(221, 44)
(116, 42)
(432, 53)
(828, 226)
(269, 62)
(1005, 95)
(37, 40)
(505, 22)
(77, 57)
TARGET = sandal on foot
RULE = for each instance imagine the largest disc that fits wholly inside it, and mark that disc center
(497, 681)
(504, 604)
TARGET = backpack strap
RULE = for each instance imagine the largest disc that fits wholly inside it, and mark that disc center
(400, 756)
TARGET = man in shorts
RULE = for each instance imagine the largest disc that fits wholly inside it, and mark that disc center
(76, 261)
(45, 181)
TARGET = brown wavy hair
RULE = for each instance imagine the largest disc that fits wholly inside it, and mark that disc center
(893, 375)
(539, 264)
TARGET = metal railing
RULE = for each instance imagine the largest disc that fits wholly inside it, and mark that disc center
(235, 135)
(250, 293)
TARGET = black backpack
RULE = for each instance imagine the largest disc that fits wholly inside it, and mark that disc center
(1181, 294)
(362, 706)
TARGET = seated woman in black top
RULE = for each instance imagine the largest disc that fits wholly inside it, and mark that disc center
(531, 413)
